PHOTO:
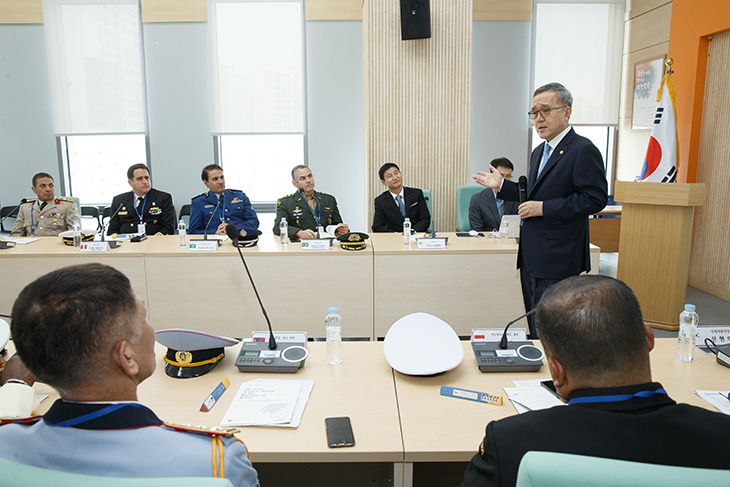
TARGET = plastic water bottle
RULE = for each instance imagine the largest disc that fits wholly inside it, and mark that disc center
(284, 231)
(77, 234)
(407, 231)
(688, 321)
(333, 327)
(504, 231)
(182, 232)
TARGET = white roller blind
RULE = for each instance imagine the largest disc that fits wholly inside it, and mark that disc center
(579, 45)
(258, 66)
(95, 66)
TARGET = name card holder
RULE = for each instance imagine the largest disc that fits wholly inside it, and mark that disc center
(203, 246)
(316, 244)
(94, 247)
(431, 243)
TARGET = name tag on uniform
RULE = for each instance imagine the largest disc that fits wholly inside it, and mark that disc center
(316, 244)
(141, 228)
(94, 247)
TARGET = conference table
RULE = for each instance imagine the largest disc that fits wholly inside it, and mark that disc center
(406, 433)
(472, 283)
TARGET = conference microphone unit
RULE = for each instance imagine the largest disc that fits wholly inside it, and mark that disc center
(205, 231)
(522, 183)
(506, 356)
(113, 244)
(259, 356)
(6, 244)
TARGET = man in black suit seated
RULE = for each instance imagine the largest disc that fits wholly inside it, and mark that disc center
(393, 206)
(485, 209)
(597, 349)
(144, 209)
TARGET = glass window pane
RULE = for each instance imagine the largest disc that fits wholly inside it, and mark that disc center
(258, 66)
(97, 165)
(260, 165)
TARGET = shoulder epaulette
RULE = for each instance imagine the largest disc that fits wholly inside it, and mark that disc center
(234, 190)
(64, 198)
(28, 420)
(214, 431)
(31, 200)
(201, 194)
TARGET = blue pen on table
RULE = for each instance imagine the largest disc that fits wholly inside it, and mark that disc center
(215, 395)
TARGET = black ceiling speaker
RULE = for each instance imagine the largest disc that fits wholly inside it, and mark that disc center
(415, 19)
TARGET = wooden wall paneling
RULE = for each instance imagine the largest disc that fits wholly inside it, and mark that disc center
(333, 9)
(501, 10)
(21, 12)
(634, 8)
(417, 102)
(174, 11)
(710, 260)
(648, 30)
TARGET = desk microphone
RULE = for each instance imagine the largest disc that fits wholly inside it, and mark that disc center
(503, 341)
(522, 182)
(112, 243)
(14, 209)
(232, 233)
(205, 232)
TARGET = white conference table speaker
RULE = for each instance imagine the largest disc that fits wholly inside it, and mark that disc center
(422, 344)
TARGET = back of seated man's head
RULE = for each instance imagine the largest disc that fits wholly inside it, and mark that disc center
(66, 322)
(593, 325)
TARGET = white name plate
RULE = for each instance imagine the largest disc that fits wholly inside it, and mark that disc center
(94, 247)
(315, 244)
(203, 246)
(431, 243)
(718, 334)
(495, 334)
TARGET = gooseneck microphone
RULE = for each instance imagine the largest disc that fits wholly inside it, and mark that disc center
(15, 209)
(232, 233)
(205, 232)
(105, 227)
(522, 183)
(503, 341)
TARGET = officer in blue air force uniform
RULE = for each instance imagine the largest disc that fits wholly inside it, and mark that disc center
(221, 206)
(82, 330)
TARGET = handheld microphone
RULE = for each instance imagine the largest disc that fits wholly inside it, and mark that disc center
(205, 232)
(14, 210)
(503, 341)
(522, 182)
(232, 233)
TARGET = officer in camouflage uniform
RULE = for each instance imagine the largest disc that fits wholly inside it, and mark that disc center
(46, 215)
(307, 209)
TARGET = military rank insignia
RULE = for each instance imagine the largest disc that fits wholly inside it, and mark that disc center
(353, 240)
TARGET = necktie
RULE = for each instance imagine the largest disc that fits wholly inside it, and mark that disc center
(140, 203)
(401, 206)
(545, 156)
(43, 205)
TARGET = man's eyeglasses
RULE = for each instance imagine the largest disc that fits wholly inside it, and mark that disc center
(543, 111)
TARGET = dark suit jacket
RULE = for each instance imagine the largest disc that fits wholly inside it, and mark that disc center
(483, 211)
(158, 214)
(649, 430)
(388, 217)
(572, 186)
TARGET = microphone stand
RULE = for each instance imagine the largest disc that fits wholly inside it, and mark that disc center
(503, 341)
(205, 232)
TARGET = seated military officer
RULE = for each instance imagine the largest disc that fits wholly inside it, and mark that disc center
(144, 209)
(308, 210)
(82, 330)
(211, 211)
(45, 215)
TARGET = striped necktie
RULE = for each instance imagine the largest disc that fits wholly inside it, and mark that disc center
(401, 206)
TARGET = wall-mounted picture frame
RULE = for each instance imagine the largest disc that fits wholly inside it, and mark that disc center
(647, 79)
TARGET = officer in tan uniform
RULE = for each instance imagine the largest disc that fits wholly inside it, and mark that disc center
(46, 215)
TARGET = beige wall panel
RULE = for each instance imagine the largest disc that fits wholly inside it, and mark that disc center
(634, 8)
(333, 9)
(647, 30)
(174, 11)
(417, 111)
(21, 12)
(501, 10)
(710, 258)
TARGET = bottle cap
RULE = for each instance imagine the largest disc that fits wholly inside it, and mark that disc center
(332, 310)
(689, 307)
(408, 219)
(283, 220)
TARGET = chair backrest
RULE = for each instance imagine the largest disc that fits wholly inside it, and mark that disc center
(15, 474)
(427, 195)
(91, 213)
(185, 214)
(463, 198)
(548, 469)
(8, 215)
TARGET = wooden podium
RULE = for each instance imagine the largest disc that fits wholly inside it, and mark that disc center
(654, 245)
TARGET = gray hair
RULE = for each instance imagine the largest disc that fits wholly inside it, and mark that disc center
(561, 92)
(294, 171)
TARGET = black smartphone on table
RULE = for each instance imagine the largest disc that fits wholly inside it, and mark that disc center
(339, 432)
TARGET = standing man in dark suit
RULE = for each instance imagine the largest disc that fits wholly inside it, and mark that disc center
(597, 349)
(567, 183)
(399, 202)
(144, 209)
(485, 209)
